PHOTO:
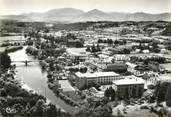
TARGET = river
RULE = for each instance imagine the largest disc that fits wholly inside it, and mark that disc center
(33, 76)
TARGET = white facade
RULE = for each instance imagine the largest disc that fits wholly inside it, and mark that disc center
(131, 68)
(86, 79)
(119, 57)
(131, 86)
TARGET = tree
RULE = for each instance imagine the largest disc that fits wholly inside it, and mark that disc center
(124, 32)
(52, 40)
(124, 41)
(83, 70)
(168, 47)
(100, 41)
(167, 30)
(5, 60)
(88, 49)
(38, 109)
(112, 93)
(98, 48)
(109, 41)
(51, 66)
(93, 48)
(3, 92)
(103, 111)
(160, 91)
(71, 36)
(91, 111)
(51, 112)
(58, 67)
(11, 88)
(116, 42)
(79, 44)
(29, 42)
(168, 96)
(107, 93)
(25, 35)
(126, 51)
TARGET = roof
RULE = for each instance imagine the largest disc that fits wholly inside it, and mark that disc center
(74, 40)
(103, 56)
(77, 51)
(96, 74)
(76, 54)
(120, 55)
(129, 80)
(146, 38)
(165, 78)
(131, 64)
(117, 65)
(146, 51)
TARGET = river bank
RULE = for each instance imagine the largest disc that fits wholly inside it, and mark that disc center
(13, 49)
(59, 93)
(30, 50)
(17, 99)
(29, 89)
(38, 80)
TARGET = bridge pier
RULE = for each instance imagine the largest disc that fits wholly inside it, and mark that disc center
(26, 62)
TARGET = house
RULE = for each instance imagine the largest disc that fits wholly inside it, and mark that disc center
(102, 78)
(131, 68)
(154, 66)
(75, 43)
(77, 53)
(121, 57)
(131, 86)
(151, 77)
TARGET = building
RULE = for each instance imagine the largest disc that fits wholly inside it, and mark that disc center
(151, 77)
(154, 66)
(102, 78)
(117, 67)
(165, 78)
(131, 68)
(75, 43)
(121, 57)
(77, 53)
(131, 86)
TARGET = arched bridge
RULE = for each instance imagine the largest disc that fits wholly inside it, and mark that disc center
(26, 61)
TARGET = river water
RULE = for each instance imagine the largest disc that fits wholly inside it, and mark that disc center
(33, 76)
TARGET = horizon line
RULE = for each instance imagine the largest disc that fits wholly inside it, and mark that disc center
(85, 11)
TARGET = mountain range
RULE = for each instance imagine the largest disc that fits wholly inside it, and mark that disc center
(77, 15)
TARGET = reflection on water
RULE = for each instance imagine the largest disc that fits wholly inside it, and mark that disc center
(35, 77)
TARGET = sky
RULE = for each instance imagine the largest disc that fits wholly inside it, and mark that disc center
(8, 7)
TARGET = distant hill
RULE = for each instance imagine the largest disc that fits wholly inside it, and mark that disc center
(64, 14)
(77, 15)
(94, 15)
